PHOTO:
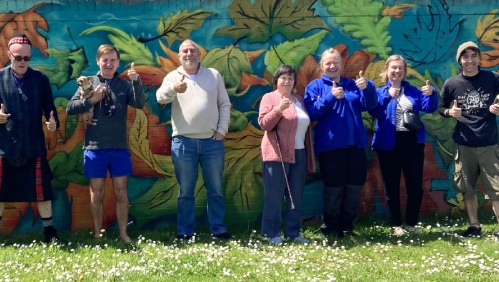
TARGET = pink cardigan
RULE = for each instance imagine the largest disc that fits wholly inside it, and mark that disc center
(287, 123)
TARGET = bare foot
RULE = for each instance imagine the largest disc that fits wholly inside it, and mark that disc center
(126, 239)
(398, 231)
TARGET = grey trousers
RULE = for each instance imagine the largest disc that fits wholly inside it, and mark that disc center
(274, 186)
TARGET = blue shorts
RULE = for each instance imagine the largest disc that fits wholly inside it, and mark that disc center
(96, 163)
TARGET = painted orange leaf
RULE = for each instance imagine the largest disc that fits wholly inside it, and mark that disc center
(489, 59)
(26, 22)
(150, 76)
(253, 54)
(358, 61)
(397, 10)
(251, 80)
(308, 71)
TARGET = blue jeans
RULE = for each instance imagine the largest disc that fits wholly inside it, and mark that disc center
(187, 154)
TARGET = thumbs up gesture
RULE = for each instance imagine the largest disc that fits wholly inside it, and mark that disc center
(427, 89)
(394, 92)
(51, 125)
(3, 116)
(361, 81)
(284, 104)
(180, 86)
(132, 74)
(455, 111)
(337, 91)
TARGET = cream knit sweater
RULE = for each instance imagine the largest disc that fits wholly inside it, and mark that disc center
(202, 109)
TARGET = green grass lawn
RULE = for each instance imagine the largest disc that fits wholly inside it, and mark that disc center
(436, 255)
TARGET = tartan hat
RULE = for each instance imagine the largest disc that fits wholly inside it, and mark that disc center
(19, 38)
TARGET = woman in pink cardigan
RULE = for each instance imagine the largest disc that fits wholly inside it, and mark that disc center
(283, 116)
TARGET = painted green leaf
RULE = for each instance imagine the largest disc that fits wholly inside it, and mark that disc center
(158, 201)
(231, 62)
(239, 120)
(180, 25)
(161, 199)
(363, 20)
(68, 168)
(293, 53)
(130, 49)
(242, 177)
(260, 21)
(70, 64)
(441, 130)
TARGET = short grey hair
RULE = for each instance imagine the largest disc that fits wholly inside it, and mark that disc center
(188, 41)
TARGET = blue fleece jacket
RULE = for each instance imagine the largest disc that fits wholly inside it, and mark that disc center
(384, 136)
(331, 131)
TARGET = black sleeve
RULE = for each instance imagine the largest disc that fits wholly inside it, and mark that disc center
(446, 99)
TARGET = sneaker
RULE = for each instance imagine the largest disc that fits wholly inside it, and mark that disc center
(223, 236)
(276, 240)
(184, 237)
(50, 233)
(473, 231)
(300, 239)
(414, 230)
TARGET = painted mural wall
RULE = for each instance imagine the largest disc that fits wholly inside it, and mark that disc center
(245, 41)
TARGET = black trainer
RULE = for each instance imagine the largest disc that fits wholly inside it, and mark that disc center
(50, 233)
(473, 231)
(223, 236)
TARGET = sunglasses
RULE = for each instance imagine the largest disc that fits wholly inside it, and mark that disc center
(20, 58)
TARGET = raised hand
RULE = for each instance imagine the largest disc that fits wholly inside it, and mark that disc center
(284, 104)
(180, 86)
(426, 89)
(455, 111)
(361, 82)
(98, 94)
(394, 92)
(3, 116)
(494, 108)
(51, 125)
(132, 74)
(337, 91)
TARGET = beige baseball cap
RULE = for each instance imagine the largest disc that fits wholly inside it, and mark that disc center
(465, 46)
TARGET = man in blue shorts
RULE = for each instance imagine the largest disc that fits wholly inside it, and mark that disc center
(106, 142)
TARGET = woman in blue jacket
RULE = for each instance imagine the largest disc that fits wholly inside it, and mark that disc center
(336, 104)
(399, 149)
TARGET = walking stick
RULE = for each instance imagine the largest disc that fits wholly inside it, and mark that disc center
(284, 169)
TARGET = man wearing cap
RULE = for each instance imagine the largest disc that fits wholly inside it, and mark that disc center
(470, 98)
(106, 147)
(25, 96)
(200, 119)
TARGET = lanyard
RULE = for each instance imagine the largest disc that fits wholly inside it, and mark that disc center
(19, 83)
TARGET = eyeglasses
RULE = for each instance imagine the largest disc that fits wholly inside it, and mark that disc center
(20, 58)
(25, 98)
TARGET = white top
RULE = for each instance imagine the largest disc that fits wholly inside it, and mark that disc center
(303, 122)
(402, 105)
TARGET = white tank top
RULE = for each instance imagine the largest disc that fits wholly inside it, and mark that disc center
(303, 122)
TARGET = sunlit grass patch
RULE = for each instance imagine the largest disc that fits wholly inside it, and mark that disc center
(438, 254)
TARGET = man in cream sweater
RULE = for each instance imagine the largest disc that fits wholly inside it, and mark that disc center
(200, 119)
